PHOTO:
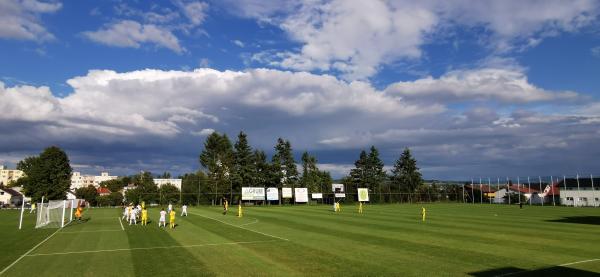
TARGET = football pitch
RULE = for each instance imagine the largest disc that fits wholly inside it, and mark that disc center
(391, 240)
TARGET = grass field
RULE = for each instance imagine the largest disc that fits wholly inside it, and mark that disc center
(456, 240)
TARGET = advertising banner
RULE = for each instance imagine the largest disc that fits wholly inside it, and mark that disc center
(249, 193)
(301, 195)
(337, 188)
(363, 194)
(317, 196)
(272, 194)
(286, 192)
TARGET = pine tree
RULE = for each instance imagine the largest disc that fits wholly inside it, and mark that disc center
(311, 176)
(358, 174)
(283, 161)
(405, 174)
(217, 158)
(243, 168)
(375, 173)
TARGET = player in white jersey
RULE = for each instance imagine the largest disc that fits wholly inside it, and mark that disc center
(184, 210)
(163, 218)
(132, 216)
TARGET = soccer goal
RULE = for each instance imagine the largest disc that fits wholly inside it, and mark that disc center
(56, 213)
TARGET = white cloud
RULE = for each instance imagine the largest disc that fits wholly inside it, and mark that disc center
(595, 51)
(170, 112)
(505, 85)
(355, 38)
(20, 19)
(129, 33)
(238, 43)
(195, 11)
(203, 132)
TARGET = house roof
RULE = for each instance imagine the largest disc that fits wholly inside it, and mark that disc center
(102, 190)
(12, 192)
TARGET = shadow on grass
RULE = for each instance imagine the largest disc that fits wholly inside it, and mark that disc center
(592, 220)
(549, 271)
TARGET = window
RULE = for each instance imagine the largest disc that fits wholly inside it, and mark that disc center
(569, 198)
(597, 199)
(1, 193)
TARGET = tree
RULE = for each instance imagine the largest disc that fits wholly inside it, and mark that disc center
(359, 172)
(48, 174)
(375, 173)
(193, 188)
(168, 194)
(263, 171)
(116, 198)
(88, 193)
(146, 190)
(244, 164)
(217, 159)
(283, 161)
(405, 174)
(113, 185)
(311, 176)
(165, 175)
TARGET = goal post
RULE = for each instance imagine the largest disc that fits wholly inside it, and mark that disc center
(53, 214)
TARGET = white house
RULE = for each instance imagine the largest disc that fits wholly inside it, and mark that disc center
(580, 192)
(80, 181)
(174, 182)
(9, 175)
(10, 197)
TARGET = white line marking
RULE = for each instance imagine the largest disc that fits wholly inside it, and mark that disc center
(258, 232)
(22, 256)
(567, 264)
(121, 222)
(152, 248)
(580, 262)
(245, 224)
(92, 231)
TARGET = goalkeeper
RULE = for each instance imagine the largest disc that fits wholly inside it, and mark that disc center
(79, 213)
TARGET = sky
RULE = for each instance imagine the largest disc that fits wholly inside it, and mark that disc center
(473, 88)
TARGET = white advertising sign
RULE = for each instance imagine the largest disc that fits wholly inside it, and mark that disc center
(317, 196)
(301, 195)
(340, 195)
(249, 193)
(363, 194)
(286, 192)
(272, 194)
(337, 188)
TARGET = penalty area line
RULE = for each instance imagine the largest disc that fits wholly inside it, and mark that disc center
(121, 222)
(151, 248)
(237, 226)
(567, 264)
(27, 253)
(92, 231)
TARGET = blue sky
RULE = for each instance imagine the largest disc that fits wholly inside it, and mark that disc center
(489, 88)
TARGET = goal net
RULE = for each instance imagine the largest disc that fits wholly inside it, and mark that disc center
(56, 213)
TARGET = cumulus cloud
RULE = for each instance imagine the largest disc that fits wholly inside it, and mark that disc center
(114, 118)
(21, 19)
(505, 85)
(129, 33)
(355, 38)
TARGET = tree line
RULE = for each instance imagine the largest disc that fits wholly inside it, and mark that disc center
(225, 168)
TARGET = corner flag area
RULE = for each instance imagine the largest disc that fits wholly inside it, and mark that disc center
(455, 240)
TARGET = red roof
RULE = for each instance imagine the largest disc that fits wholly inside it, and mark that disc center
(102, 190)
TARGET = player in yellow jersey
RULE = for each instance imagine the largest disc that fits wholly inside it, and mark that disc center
(172, 218)
(423, 213)
(144, 216)
(360, 207)
(240, 212)
(225, 206)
